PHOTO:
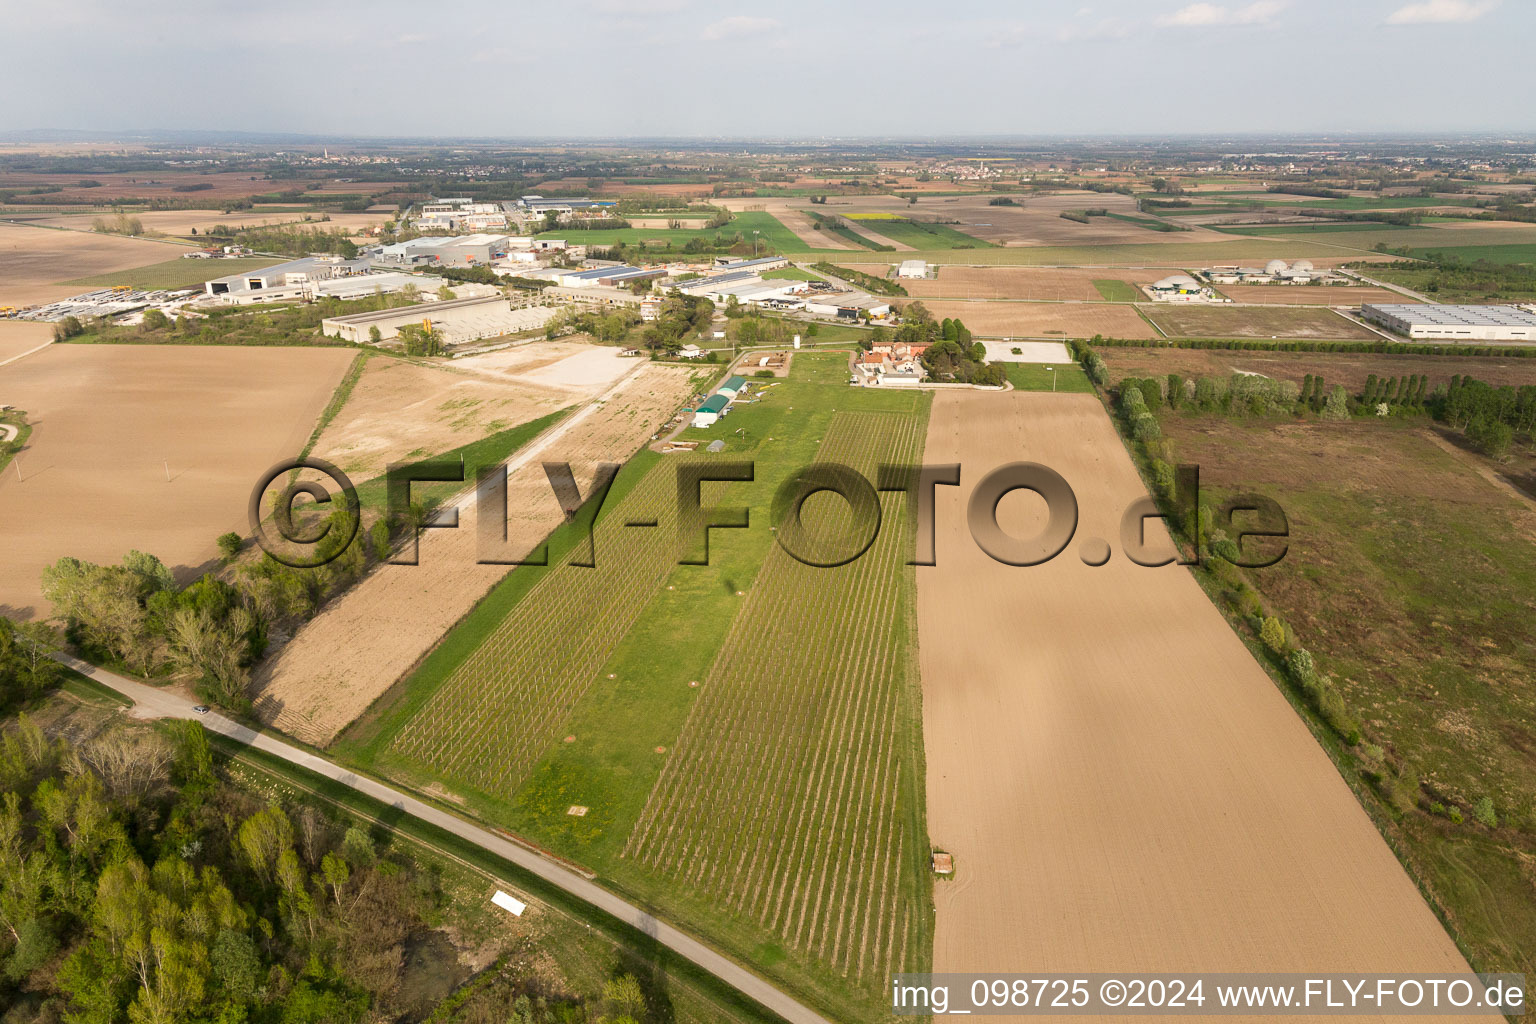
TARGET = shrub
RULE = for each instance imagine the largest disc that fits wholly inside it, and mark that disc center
(1490, 436)
(1152, 392)
(1146, 429)
(1226, 549)
(1455, 815)
(1301, 666)
(229, 544)
(1483, 812)
(1331, 706)
(1337, 406)
(1273, 634)
(1162, 477)
(1207, 395)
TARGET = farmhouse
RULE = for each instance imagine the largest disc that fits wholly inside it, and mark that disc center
(455, 320)
(1454, 323)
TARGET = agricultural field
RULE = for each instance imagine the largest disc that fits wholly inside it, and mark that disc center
(1191, 320)
(1176, 250)
(174, 482)
(1309, 295)
(40, 264)
(1035, 222)
(171, 274)
(1347, 368)
(772, 234)
(1114, 290)
(403, 409)
(1420, 619)
(18, 337)
(363, 641)
(916, 233)
(194, 223)
(1067, 378)
(1041, 283)
(1084, 725)
(1045, 319)
(632, 690)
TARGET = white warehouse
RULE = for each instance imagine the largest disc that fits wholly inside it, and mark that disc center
(1438, 322)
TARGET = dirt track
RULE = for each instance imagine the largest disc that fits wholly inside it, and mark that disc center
(361, 643)
(1122, 786)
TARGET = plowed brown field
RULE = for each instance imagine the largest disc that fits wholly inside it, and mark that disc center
(1046, 319)
(108, 420)
(1122, 786)
(1050, 283)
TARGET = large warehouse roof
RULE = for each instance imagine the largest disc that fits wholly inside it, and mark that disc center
(1444, 315)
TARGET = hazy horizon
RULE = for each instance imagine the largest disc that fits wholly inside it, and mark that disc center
(678, 69)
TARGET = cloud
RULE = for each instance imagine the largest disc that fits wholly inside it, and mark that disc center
(738, 25)
(1441, 12)
(1200, 15)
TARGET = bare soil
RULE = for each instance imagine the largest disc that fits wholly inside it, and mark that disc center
(402, 409)
(1188, 320)
(1348, 368)
(106, 422)
(34, 261)
(1120, 784)
(1323, 295)
(1046, 319)
(1046, 283)
(18, 337)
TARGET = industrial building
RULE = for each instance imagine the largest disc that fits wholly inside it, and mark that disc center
(610, 277)
(1437, 322)
(460, 215)
(1177, 288)
(538, 205)
(761, 264)
(747, 288)
(459, 251)
(912, 268)
(1273, 272)
(455, 320)
(295, 279)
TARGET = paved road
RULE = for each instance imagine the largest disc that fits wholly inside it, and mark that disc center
(1386, 284)
(150, 702)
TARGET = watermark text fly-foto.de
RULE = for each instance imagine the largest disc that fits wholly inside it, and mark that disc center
(1239, 518)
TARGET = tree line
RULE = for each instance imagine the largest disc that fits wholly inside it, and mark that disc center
(139, 883)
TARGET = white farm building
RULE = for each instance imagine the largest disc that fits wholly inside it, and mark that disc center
(912, 269)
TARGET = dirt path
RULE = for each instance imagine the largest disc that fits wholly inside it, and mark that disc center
(1122, 786)
(355, 649)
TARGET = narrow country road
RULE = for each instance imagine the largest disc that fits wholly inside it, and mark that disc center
(150, 702)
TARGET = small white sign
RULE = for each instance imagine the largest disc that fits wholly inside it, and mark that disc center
(512, 906)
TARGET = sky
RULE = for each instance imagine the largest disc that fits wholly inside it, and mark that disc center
(791, 68)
